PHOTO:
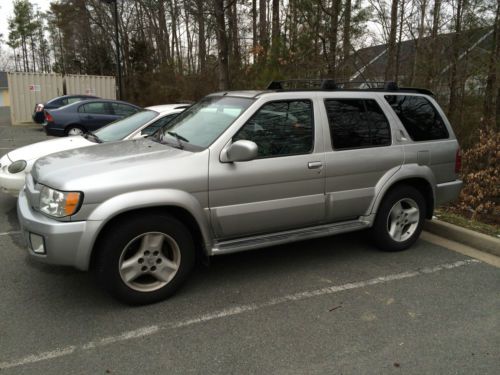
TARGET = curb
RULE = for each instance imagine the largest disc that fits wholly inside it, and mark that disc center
(468, 237)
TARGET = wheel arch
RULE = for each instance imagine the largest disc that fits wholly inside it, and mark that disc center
(177, 212)
(419, 177)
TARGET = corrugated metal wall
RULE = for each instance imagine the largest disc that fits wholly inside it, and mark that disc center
(28, 89)
(102, 86)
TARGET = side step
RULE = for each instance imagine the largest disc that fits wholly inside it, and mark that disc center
(256, 242)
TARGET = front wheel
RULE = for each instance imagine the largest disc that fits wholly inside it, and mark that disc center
(399, 219)
(145, 259)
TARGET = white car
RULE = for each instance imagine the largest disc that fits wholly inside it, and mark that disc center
(15, 165)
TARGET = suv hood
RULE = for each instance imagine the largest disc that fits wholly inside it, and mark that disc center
(115, 167)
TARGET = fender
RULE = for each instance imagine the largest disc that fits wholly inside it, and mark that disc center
(406, 171)
(122, 203)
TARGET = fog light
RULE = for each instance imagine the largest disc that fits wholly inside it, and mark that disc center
(37, 244)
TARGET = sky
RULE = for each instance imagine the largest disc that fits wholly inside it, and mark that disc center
(6, 12)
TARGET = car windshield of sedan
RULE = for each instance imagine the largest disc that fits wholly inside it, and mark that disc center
(202, 123)
(120, 129)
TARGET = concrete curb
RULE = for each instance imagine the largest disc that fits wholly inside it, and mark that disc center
(468, 237)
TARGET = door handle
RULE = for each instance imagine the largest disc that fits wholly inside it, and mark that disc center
(314, 164)
(89, 117)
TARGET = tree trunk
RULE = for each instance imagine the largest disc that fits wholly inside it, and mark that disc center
(346, 39)
(334, 28)
(418, 44)
(398, 49)
(222, 45)
(276, 30)
(263, 37)
(433, 79)
(453, 109)
(391, 44)
(490, 94)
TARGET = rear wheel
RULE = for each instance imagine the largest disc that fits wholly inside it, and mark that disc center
(74, 130)
(400, 219)
(145, 259)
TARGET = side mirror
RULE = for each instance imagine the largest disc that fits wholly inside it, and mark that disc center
(241, 150)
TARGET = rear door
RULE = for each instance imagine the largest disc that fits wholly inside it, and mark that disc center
(359, 152)
(95, 115)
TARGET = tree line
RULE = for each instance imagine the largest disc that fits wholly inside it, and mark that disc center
(178, 50)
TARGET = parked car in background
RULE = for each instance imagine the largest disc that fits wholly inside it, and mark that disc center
(84, 116)
(15, 165)
(238, 171)
(39, 114)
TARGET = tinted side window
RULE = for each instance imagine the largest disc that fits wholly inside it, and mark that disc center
(281, 128)
(356, 123)
(96, 108)
(123, 109)
(419, 117)
(73, 100)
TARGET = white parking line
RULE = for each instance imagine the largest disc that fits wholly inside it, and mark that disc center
(153, 329)
(8, 233)
(6, 148)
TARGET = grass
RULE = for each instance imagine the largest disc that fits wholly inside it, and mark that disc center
(456, 219)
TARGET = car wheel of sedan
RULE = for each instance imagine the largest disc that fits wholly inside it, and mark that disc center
(400, 219)
(75, 130)
(144, 260)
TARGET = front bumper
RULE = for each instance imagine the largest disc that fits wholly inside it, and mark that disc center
(11, 183)
(65, 243)
(447, 192)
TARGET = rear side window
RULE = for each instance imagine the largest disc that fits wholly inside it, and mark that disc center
(123, 109)
(357, 123)
(419, 117)
(95, 107)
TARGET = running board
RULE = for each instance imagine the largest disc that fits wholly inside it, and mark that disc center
(256, 242)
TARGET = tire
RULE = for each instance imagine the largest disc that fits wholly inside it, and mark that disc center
(74, 130)
(145, 259)
(399, 219)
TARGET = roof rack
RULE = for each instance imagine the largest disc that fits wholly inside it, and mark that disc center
(332, 85)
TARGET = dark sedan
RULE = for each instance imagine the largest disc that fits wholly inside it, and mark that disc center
(39, 114)
(85, 116)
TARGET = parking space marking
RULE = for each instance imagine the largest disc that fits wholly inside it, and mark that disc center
(6, 148)
(153, 329)
(9, 233)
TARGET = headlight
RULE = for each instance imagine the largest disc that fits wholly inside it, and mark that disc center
(17, 166)
(59, 203)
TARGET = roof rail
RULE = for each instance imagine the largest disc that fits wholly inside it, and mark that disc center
(327, 84)
(307, 84)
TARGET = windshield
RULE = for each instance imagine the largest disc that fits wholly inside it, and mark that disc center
(205, 121)
(120, 129)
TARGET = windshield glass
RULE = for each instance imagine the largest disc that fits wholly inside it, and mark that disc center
(205, 121)
(121, 128)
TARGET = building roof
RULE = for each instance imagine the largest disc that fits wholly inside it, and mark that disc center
(370, 63)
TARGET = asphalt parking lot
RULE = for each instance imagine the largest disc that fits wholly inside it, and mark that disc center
(328, 306)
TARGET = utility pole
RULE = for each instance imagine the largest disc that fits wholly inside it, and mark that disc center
(117, 42)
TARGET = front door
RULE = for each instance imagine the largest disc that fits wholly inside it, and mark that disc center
(283, 188)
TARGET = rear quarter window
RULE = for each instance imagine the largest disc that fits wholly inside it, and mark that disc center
(419, 117)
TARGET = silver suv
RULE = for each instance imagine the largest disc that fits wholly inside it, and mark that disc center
(238, 171)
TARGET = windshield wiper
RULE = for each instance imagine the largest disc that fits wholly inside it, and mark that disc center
(93, 136)
(179, 138)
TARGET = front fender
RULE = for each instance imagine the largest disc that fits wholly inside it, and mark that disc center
(122, 203)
